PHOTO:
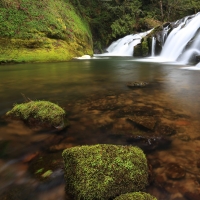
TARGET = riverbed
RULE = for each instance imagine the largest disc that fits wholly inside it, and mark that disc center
(101, 108)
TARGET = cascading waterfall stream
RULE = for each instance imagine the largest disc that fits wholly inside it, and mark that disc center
(125, 45)
(179, 38)
(192, 51)
(182, 44)
(153, 46)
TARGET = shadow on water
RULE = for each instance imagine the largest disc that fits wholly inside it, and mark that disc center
(161, 118)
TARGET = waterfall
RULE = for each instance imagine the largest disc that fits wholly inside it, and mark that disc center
(153, 46)
(179, 38)
(192, 51)
(125, 45)
(182, 44)
(164, 34)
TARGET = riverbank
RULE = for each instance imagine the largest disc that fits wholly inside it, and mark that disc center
(45, 31)
(46, 50)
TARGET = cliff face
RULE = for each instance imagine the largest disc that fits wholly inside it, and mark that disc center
(40, 31)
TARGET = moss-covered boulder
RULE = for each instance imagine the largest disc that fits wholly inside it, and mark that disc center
(39, 113)
(104, 171)
(136, 196)
(142, 49)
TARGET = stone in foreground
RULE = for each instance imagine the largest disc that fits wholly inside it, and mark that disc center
(136, 196)
(104, 171)
(39, 113)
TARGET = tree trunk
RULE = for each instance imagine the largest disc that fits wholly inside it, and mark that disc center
(161, 10)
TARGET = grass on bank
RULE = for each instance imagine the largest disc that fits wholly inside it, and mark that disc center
(42, 31)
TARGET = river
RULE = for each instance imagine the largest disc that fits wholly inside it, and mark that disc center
(99, 106)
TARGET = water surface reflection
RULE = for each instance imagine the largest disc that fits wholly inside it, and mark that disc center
(101, 109)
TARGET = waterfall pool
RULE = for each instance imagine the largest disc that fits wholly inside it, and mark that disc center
(101, 109)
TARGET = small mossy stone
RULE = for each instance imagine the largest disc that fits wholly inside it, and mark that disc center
(104, 171)
(136, 196)
(42, 112)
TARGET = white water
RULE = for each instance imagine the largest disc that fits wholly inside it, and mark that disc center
(196, 67)
(192, 51)
(164, 34)
(186, 34)
(125, 45)
(153, 46)
(179, 38)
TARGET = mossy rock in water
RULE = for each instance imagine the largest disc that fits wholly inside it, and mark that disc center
(136, 195)
(104, 171)
(39, 113)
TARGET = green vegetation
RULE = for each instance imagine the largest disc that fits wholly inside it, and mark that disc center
(39, 112)
(42, 166)
(104, 171)
(45, 30)
(135, 195)
(110, 20)
(57, 30)
(47, 174)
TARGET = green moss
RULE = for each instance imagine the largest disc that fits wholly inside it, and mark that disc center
(137, 50)
(145, 47)
(42, 166)
(37, 31)
(136, 195)
(44, 112)
(47, 174)
(142, 49)
(104, 171)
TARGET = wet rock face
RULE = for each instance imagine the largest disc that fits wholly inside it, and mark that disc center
(198, 58)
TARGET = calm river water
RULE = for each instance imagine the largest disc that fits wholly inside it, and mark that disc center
(100, 109)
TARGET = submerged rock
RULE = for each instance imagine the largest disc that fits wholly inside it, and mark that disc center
(136, 195)
(137, 84)
(146, 122)
(165, 130)
(149, 142)
(104, 171)
(40, 113)
(174, 171)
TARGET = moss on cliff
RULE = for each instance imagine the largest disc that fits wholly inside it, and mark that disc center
(104, 171)
(45, 30)
(142, 49)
